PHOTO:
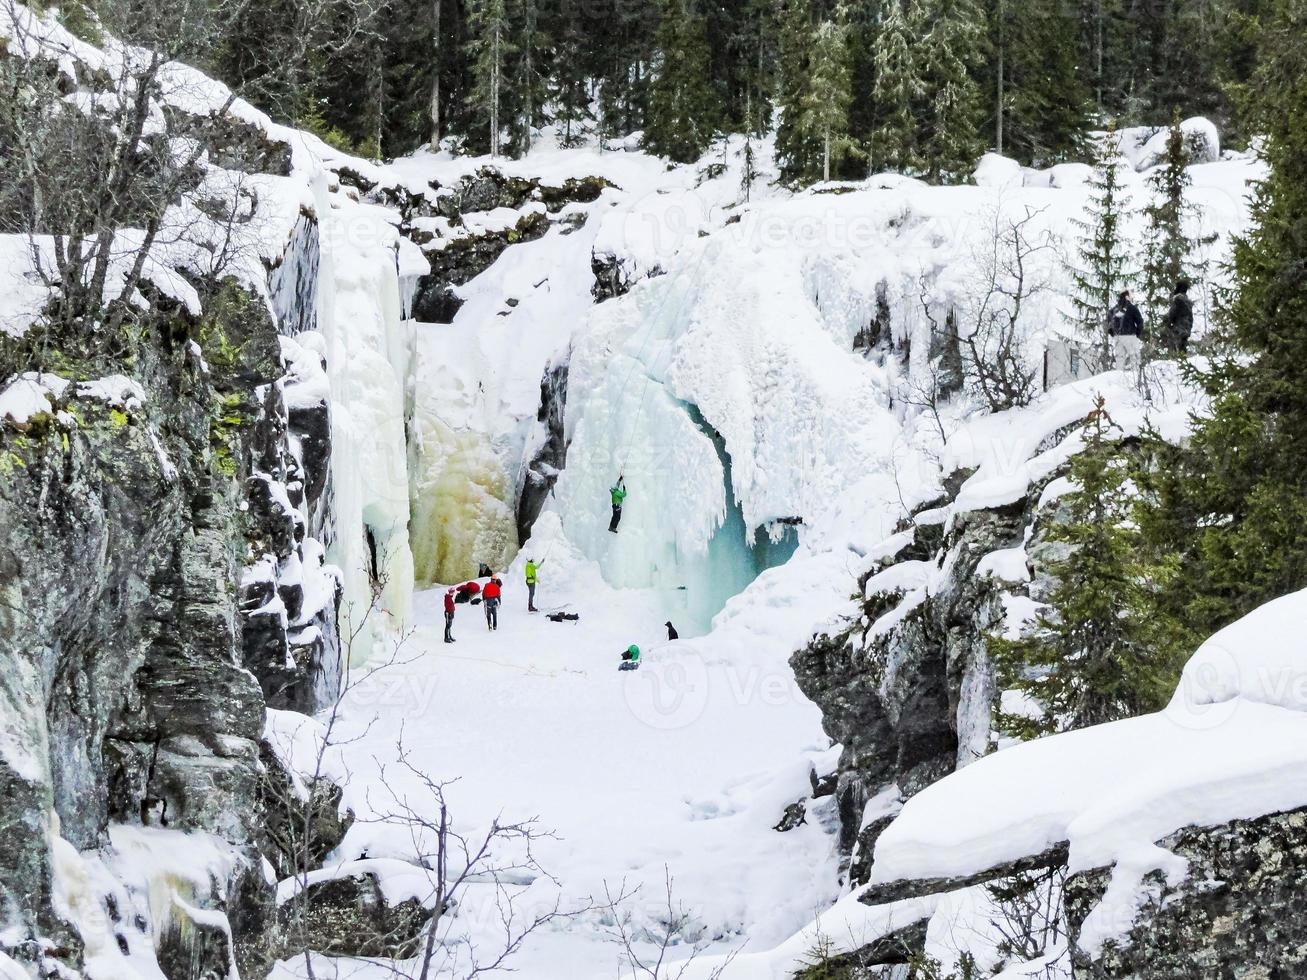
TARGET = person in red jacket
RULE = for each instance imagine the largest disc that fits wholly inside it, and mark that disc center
(490, 598)
(449, 616)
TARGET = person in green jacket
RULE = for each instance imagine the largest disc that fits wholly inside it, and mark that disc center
(532, 578)
(630, 658)
(619, 494)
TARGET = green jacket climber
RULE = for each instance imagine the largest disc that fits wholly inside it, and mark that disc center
(619, 494)
(532, 568)
(631, 653)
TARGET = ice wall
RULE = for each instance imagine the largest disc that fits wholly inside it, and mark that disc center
(730, 397)
(478, 392)
(368, 350)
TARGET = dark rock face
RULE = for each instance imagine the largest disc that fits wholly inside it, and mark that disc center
(283, 836)
(1238, 914)
(124, 529)
(892, 699)
(349, 916)
(877, 331)
(550, 457)
(458, 260)
(241, 146)
(909, 702)
(613, 277)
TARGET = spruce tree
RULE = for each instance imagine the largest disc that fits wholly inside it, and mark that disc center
(683, 108)
(1090, 656)
(898, 89)
(527, 78)
(490, 47)
(1168, 251)
(952, 50)
(1102, 265)
(568, 85)
(1231, 504)
(798, 152)
(824, 106)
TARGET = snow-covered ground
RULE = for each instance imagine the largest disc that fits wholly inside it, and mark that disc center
(684, 765)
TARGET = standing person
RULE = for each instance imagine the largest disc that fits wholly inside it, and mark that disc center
(618, 492)
(1179, 319)
(490, 597)
(1126, 326)
(532, 577)
(449, 616)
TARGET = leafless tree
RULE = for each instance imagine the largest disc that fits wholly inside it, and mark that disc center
(994, 350)
(278, 76)
(673, 927)
(1029, 916)
(927, 388)
(306, 802)
(95, 152)
(499, 858)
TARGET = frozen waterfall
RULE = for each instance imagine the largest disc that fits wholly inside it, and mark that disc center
(368, 350)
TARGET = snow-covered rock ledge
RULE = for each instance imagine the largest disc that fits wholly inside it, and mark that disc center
(1129, 802)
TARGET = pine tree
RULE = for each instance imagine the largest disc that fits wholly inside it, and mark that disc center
(749, 156)
(952, 50)
(683, 109)
(898, 88)
(1102, 264)
(824, 106)
(491, 47)
(1232, 502)
(1090, 656)
(1168, 251)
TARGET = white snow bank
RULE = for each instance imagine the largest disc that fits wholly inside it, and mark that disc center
(846, 926)
(994, 170)
(1261, 658)
(1011, 450)
(298, 742)
(1231, 745)
(30, 394)
(1202, 141)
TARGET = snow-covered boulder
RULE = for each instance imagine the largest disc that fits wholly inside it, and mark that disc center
(995, 170)
(1201, 140)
